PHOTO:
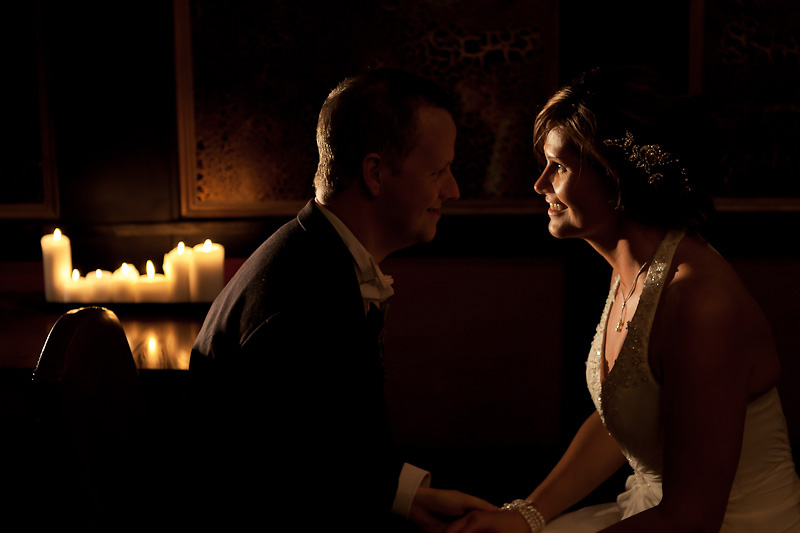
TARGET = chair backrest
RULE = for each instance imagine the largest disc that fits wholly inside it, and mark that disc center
(86, 403)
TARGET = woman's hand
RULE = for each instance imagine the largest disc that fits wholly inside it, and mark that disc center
(490, 522)
(432, 509)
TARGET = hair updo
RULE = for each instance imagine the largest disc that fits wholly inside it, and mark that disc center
(628, 128)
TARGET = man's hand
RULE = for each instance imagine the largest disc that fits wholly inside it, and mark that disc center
(491, 522)
(433, 509)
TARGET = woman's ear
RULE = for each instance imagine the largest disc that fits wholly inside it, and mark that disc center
(372, 169)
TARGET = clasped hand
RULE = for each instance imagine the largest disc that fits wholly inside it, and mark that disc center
(452, 511)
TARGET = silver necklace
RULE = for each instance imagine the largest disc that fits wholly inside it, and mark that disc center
(630, 293)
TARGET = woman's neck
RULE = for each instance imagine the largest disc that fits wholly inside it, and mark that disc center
(629, 248)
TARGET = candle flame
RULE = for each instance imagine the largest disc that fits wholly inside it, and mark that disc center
(207, 246)
(98, 273)
(57, 234)
(151, 269)
(125, 269)
(181, 248)
(151, 345)
(76, 275)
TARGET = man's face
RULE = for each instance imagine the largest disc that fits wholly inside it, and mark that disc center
(413, 194)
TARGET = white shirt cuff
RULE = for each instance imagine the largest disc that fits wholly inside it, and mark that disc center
(411, 478)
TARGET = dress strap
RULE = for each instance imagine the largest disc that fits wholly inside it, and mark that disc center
(656, 274)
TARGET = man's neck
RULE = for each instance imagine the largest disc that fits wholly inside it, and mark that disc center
(356, 216)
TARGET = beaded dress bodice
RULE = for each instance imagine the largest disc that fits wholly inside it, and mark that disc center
(765, 495)
(629, 398)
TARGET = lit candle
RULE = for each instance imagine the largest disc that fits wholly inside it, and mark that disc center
(76, 289)
(177, 268)
(99, 286)
(207, 272)
(152, 287)
(123, 283)
(57, 262)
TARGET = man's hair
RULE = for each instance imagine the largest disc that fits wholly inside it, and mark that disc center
(627, 126)
(372, 112)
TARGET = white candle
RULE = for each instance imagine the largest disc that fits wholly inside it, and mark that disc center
(177, 268)
(99, 286)
(207, 272)
(57, 262)
(123, 283)
(152, 287)
(76, 289)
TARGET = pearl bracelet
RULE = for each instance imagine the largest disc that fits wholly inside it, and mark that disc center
(530, 513)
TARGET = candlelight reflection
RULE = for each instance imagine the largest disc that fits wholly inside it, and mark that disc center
(165, 345)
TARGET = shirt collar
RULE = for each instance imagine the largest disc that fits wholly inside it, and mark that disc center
(375, 285)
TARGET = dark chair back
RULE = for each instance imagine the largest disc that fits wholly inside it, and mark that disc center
(87, 408)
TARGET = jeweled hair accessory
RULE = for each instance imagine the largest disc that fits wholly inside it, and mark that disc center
(649, 157)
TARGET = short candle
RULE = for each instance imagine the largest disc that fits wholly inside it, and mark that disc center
(99, 286)
(177, 268)
(123, 283)
(76, 289)
(152, 287)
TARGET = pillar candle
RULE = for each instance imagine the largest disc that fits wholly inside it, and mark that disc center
(152, 287)
(76, 289)
(177, 268)
(207, 271)
(99, 286)
(57, 262)
(123, 283)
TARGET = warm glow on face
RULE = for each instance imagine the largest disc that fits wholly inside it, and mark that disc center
(76, 275)
(181, 247)
(151, 269)
(207, 246)
(57, 234)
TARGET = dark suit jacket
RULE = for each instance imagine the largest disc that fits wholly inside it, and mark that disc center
(290, 385)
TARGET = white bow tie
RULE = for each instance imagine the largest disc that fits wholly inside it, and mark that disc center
(377, 289)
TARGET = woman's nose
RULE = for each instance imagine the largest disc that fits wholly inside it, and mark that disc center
(542, 184)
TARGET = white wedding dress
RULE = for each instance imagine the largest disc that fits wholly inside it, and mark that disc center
(765, 497)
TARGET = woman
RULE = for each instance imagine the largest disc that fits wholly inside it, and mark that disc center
(683, 367)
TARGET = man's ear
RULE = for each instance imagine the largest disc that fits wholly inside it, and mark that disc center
(372, 171)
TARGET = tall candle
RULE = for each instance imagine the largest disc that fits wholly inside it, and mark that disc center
(57, 262)
(177, 268)
(99, 286)
(207, 272)
(123, 283)
(76, 289)
(152, 287)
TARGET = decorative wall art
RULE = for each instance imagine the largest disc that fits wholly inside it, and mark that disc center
(253, 75)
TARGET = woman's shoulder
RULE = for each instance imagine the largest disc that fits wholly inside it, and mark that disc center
(703, 294)
(699, 275)
(707, 317)
(705, 300)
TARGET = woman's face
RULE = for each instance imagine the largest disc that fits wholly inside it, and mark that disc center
(580, 201)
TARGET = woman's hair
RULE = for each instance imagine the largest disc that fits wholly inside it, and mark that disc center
(626, 126)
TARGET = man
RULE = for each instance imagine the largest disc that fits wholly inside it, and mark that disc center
(289, 359)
